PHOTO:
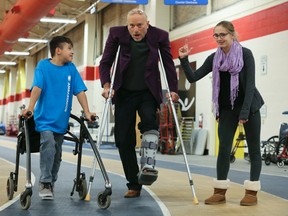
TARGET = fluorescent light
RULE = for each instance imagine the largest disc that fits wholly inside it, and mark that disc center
(93, 10)
(2, 71)
(7, 63)
(30, 48)
(32, 40)
(17, 53)
(58, 20)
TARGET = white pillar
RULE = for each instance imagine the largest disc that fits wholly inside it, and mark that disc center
(89, 39)
(158, 14)
(88, 67)
(29, 68)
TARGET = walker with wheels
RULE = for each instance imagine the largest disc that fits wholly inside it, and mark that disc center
(28, 141)
(80, 184)
(240, 139)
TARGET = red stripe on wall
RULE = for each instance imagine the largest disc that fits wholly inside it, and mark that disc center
(97, 75)
(27, 93)
(11, 99)
(262, 23)
(17, 97)
(4, 101)
(88, 73)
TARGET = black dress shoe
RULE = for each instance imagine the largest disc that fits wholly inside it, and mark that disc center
(132, 193)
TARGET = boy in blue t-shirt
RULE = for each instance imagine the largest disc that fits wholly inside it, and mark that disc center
(56, 80)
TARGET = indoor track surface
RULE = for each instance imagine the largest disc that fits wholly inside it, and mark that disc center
(171, 194)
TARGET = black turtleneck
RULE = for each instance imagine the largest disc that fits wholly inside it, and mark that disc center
(135, 75)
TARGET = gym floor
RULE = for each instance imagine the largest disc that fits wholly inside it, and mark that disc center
(171, 194)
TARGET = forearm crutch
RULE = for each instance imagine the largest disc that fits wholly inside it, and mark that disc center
(178, 129)
(108, 102)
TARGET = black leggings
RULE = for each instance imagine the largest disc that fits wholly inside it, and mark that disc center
(228, 123)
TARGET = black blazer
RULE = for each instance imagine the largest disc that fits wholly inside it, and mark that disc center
(156, 39)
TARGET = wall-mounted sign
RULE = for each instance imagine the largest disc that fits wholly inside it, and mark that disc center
(126, 1)
(185, 2)
(263, 66)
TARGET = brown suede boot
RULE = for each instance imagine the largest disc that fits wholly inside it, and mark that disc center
(251, 189)
(220, 188)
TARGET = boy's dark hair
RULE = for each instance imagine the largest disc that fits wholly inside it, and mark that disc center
(58, 42)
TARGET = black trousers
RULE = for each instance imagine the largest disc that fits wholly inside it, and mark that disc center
(126, 105)
(228, 122)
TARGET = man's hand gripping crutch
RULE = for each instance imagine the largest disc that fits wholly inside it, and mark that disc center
(107, 93)
(178, 128)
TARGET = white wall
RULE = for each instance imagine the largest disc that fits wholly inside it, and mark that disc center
(273, 85)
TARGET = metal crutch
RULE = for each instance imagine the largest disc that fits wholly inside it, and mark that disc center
(101, 126)
(178, 129)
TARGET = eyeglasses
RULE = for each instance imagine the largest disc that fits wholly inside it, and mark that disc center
(221, 35)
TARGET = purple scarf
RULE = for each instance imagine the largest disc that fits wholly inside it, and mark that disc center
(232, 63)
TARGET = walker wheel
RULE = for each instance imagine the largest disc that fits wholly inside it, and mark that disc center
(82, 189)
(10, 188)
(25, 201)
(280, 164)
(103, 201)
(232, 158)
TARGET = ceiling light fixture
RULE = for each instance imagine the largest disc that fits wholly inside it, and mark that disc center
(58, 20)
(17, 53)
(33, 40)
(93, 10)
(7, 63)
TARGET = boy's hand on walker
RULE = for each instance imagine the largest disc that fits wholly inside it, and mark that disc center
(27, 113)
(91, 117)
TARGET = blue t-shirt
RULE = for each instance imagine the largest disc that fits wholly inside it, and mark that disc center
(58, 85)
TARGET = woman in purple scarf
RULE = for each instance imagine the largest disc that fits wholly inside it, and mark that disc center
(235, 100)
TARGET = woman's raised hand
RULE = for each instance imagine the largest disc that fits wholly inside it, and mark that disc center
(184, 50)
